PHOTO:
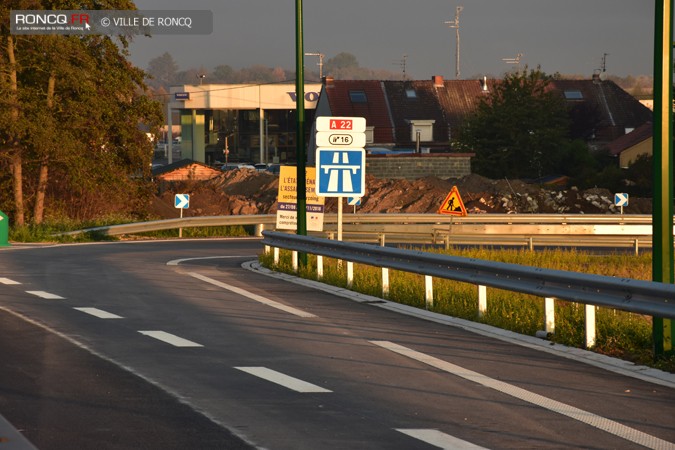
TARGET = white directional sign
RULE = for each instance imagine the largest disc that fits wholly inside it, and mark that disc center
(340, 172)
(354, 201)
(621, 199)
(340, 139)
(182, 201)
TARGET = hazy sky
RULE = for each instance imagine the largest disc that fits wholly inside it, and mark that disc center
(566, 36)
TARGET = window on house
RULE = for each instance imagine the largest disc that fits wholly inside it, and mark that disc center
(410, 93)
(574, 95)
(358, 97)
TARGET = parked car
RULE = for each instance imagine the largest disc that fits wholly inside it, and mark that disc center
(261, 167)
(274, 169)
(234, 166)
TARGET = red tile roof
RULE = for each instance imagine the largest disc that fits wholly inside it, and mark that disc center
(628, 140)
(374, 110)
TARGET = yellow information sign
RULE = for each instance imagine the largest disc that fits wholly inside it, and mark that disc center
(287, 200)
(453, 204)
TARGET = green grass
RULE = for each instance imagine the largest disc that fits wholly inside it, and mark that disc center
(619, 334)
(51, 231)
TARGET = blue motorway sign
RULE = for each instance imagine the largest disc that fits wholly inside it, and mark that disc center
(340, 172)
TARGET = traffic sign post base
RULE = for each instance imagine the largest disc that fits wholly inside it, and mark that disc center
(4, 230)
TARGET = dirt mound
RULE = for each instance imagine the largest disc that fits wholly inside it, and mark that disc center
(246, 191)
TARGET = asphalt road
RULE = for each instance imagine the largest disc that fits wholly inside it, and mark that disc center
(161, 345)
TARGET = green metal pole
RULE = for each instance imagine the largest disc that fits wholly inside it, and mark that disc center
(662, 208)
(301, 187)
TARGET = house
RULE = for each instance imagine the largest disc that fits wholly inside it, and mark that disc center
(632, 145)
(428, 113)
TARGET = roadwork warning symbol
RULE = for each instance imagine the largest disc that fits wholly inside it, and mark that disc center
(453, 204)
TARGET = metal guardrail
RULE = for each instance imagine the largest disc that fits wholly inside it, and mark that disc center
(505, 229)
(185, 222)
(638, 296)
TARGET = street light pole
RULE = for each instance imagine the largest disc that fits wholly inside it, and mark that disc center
(662, 204)
(301, 186)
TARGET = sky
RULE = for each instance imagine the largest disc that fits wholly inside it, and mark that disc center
(566, 36)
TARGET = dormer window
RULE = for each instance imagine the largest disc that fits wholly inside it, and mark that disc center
(422, 128)
(358, 97)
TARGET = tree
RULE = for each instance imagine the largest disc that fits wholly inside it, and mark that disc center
(520, 130)
(162, 70)
(69, 122)
(341, 61)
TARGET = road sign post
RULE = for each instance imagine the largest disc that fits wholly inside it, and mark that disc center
(181, 201)
(340, 160)
(621, 200)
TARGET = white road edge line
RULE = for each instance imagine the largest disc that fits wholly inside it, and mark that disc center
(46, 295)
(252, 296)
(170, 338)
(175, 262)
(602, 423)
(438, 439)
(8, 281)
(283, 380)
(101, 314)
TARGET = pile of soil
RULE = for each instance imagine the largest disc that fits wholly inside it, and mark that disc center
(246, 191)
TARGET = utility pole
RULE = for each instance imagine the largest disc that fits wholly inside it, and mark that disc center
(321, 56)
(455, 24)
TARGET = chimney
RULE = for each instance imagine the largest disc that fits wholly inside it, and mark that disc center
(328, 81)
(438, 80)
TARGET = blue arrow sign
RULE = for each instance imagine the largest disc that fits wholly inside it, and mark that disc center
(621, 199)
(340, 172)
(182, 201)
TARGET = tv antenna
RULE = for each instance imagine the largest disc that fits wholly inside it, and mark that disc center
(515, 61)
(455, 24)
(604, 62)
(403, 63)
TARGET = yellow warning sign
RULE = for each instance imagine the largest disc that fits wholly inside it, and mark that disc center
(453, 204)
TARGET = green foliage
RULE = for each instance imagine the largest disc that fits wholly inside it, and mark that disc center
(520, 130)
(76, 112)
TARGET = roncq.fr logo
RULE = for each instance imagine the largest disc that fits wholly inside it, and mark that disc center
(51, 19)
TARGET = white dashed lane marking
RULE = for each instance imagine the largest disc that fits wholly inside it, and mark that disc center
(46, 295)
(602, 423)
(170, 338)
(252, 296)
(440, 440)
(8, 281)
(101, 314)
(283, 380)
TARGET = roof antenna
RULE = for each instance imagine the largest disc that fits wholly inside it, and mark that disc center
(455, 24)
(402, 64)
